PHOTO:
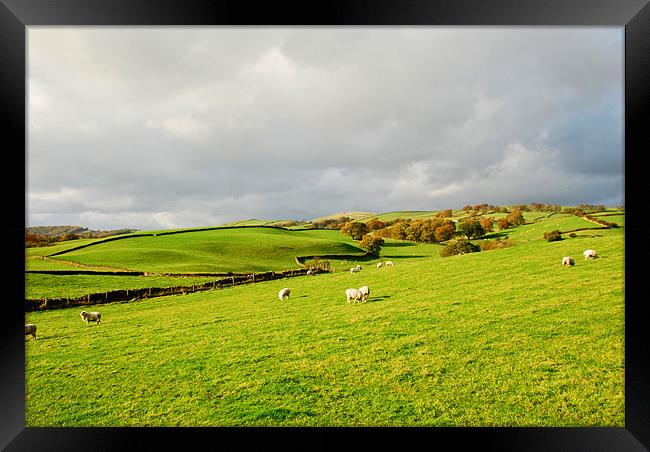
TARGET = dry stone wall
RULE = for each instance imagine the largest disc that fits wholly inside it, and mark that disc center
(125, 295)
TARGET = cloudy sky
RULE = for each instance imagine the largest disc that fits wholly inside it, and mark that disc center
(164, 127)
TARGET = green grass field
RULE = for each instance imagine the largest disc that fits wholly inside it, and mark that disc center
(220, 250)
(72, 286)
(506, 337)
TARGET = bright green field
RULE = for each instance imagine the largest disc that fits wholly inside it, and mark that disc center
(505, 337)
(72, 286)
(562, 222)
(403, 214)
(35, 263)
(221, 250)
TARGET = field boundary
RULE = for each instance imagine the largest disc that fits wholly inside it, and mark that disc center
(127, 295)
(86, 272)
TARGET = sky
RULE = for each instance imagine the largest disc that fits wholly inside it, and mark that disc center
(169, 127)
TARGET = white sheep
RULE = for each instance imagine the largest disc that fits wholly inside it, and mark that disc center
(284, 293)
(352, 294)
(30, 328)
(568, 261)
(589, 254)
(378, 264)
(388, 263)
(364, 293)
(355, 269)
(91, 317)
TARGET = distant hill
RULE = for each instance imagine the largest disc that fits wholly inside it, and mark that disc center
(351, 215)
(45, 235)
(57, 231)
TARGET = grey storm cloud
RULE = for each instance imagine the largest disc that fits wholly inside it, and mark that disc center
(154, 127)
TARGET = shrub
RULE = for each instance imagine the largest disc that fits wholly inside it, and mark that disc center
(319, 265)
(496, 244)
(553, 236)
(459, 246)
(573, 234)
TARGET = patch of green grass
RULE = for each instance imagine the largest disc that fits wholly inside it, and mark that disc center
(36, 263)
(501, 338)
(72, 286)
(220, 250)
(536, 230)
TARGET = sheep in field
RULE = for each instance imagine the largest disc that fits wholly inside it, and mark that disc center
(388, 263)
(352, 294)
(91, 317)
(30, 328)
(378, 264)
(355, 269)
(364, 293)
(568, 261)
(589, 254)
(284, 293)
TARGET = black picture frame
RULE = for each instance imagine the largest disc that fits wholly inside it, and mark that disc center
(633, 15)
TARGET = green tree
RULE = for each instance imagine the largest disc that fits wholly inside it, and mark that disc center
(372, 244)
(459, 246)
(471, 228)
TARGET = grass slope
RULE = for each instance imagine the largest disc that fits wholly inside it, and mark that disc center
(498, 338)
(221, 250)
(72, 286)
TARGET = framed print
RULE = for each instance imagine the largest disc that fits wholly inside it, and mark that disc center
(255, 152)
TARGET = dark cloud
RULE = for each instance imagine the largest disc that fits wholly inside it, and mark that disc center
(169, 127)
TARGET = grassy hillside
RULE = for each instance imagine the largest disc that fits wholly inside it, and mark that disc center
(352, 215)
(403, 214)
(536, 230)
(506, 337)
(220, 250)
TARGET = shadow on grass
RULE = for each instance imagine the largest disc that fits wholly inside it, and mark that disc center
(495, 235)
(372, 299)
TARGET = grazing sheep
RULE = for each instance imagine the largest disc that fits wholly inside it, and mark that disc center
(568, 261)
(364, 293)
(378, 264)
(30, 328)
(355, 269)
(388, 263)
(352, 294)
(589, 254)
(91, 317)
(284, 293)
